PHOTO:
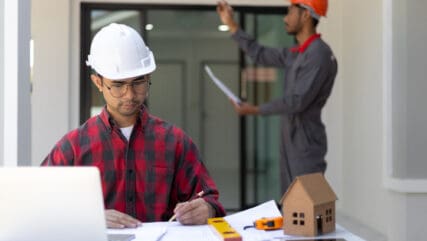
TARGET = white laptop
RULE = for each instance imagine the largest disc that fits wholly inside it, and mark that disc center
(51, 204)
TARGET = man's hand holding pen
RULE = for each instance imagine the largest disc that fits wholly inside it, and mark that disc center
(193, 212)
(196, 211)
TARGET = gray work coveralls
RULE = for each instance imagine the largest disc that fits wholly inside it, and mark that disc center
(310, 71)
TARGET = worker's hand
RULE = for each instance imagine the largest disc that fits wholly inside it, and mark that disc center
(244, 108)
(225, 13)
(116, 219)
(194, 212)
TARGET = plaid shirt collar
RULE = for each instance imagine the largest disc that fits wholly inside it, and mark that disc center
(111, 124)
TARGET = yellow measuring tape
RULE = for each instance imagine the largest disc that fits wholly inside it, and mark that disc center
(224, 230)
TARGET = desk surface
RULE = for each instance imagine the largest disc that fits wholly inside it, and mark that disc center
(176, 231)
(171, 231)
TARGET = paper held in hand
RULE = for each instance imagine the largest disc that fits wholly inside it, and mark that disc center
(222, 87)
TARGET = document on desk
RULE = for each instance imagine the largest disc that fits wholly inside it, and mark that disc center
(168, 231)
(145, 232)
(246, 217)
(221, 86)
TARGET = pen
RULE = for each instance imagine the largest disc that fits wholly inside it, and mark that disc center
(198, 195)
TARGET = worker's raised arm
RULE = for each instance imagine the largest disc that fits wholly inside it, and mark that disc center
(226, 14)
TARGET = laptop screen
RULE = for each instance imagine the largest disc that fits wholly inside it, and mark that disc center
(51, 204)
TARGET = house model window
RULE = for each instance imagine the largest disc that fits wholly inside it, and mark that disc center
(329, 215)
(298, 218)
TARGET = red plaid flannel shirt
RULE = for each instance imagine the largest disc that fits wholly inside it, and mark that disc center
(146, 177)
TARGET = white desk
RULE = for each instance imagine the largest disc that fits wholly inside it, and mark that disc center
(177, 232)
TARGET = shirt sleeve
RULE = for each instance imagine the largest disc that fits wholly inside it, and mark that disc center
(309, 79)
(260, 54)
(60, 155)
(193, 177)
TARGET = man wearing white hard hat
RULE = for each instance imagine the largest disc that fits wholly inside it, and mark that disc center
(149, 168)
(310, 69)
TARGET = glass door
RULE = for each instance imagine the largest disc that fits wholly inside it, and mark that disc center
(263, 84)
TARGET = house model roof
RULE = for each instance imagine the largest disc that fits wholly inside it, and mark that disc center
(316, 188)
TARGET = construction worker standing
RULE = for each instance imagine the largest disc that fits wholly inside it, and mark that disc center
(149, 168)
(310, 69)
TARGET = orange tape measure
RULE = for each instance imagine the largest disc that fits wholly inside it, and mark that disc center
(267, 223)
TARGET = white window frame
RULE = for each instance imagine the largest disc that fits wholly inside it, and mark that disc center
(403, 185)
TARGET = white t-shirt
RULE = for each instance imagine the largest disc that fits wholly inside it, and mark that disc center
(126, 131)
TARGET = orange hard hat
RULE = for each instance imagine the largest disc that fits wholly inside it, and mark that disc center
(320, 7)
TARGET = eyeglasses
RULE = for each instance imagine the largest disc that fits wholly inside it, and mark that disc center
(118, 89)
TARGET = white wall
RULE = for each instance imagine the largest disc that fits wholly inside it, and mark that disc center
(330, 27)
(50, 28)
(1, 81)
(366, 200)
(362, 125)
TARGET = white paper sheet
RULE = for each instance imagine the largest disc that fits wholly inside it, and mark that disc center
(164, 231)
(145, 232)
(246, 218)
(221, 86)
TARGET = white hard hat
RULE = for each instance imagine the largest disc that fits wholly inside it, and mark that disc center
(118, 52)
